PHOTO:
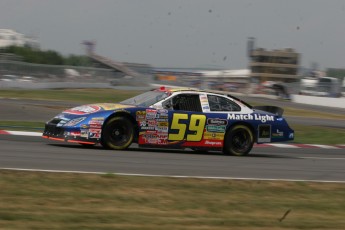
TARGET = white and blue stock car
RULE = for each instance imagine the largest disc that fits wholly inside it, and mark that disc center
(172, 118)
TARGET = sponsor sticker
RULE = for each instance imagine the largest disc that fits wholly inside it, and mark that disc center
(84, 109)
(216, 121)
(75, 121)
(213, 143)
(96, 121)
(255, 117)
(75, 133)
(163, 129)
(213, 136)
(216, 128)
(84, 133)
(151, 114)
(140, 115)
(264, 134)
(278, 134)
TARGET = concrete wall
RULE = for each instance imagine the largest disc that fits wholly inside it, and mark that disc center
(322, 101)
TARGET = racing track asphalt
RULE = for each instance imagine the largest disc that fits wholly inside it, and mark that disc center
(263, 163)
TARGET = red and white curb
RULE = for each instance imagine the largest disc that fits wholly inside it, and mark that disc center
(21, 133)
(291, 146)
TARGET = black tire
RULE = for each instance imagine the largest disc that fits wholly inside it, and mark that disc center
(117, 133)
(238, 141)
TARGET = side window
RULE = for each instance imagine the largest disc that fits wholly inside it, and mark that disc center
(187, 102)
(218, 103)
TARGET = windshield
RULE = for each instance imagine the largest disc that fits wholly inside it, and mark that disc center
(146, 99)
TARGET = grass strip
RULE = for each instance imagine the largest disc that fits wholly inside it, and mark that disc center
(34, 200)
(318, 135)
(22, 125)
(73, 95)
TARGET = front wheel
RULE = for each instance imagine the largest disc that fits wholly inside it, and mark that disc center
(117, 133)
(238, 141)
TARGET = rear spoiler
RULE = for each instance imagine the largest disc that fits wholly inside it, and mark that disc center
(271, 109)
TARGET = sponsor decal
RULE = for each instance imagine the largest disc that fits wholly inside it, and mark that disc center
(147, 123)
(154, 138)
(147, 128)
(84, 109)
(96, 121)
(151, 114)
(74, 133)
(162, 141)
(140, 115)
(162, 111)
(75, 121)
(163, 129)
(95, 133)
(142, 123)
(84, 133)
(278, 134)
(95, 126)
(162, 136)
(151, 122)
(255, 117)
(217, 121)
(151, 141)
(213, 143)
(162, 120)
(162, 123)
(264, 134)
(213, 136)
(203, 96)
(291, 135)
(216, 128)
(95, 130)
(149, 136)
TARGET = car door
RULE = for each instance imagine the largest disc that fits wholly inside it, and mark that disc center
(186, 120)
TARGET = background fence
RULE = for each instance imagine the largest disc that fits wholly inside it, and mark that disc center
(25, 75)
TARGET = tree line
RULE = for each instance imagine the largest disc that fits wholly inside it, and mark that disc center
(48, 57)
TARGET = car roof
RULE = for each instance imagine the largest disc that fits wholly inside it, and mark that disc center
(183, 89)
(186, 89)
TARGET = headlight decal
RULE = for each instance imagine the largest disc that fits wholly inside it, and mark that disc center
(75, 121)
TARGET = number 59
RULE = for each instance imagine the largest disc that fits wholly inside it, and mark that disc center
(196, 126)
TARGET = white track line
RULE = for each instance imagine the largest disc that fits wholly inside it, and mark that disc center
(172, 176)
(285, 146)
(324, 146)
(21, 133)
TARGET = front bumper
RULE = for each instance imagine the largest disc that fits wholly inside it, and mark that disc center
(67, 134)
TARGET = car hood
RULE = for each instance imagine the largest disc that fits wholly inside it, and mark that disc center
(94, 108)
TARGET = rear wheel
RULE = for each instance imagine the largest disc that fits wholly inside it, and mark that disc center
(117, 133)
(238, 141)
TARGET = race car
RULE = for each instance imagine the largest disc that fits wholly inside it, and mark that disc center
(173, 118)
